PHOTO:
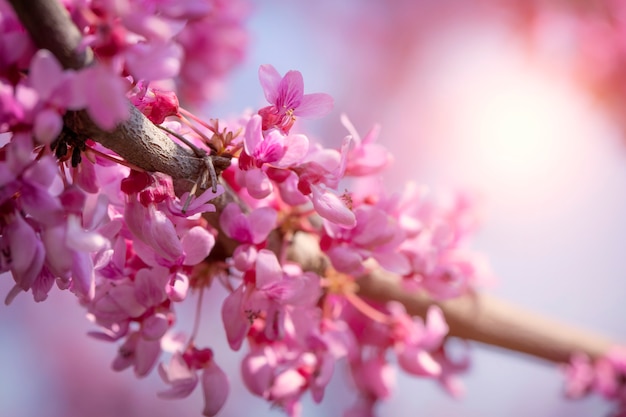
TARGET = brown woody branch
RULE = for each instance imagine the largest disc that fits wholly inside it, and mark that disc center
(476, 317)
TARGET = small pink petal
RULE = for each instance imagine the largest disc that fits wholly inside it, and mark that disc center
(270, 80)
(253, 135)
(346, 259)
(149, 288)
(45, 73)
(124, 297)
(436, 328)
(47, 126)
(154, 61)
(146, 355)
(330, 207)
(290, 90)
(395, 262)
(235, 324)
(26, 252)
(296, 148)
(314, 105)
(178, 374)
(83, 277)
(258, 184)
(215, 388)
(262, 221)
(257, 371)
(268, 270)
(418, 362)
(161, 235)
(178, 287)
(105, 95)
(287, 384)
(197, 245)
(155, 326)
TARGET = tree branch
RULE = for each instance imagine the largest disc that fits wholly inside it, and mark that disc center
(484, 318)
(476, 317)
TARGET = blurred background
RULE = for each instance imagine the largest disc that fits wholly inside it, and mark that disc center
(519, 101)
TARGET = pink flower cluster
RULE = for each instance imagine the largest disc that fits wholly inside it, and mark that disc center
(73, 213)
(299, 325)
(605, 377)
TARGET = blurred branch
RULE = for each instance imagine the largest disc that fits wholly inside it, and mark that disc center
(486, 319)
(475, 317)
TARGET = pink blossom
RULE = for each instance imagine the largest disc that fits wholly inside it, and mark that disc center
(177, 373)
(366, 157)
(376, 235)
(154, 103)
(268, 149)
(287, 99)
(181, 374)
(252, 228)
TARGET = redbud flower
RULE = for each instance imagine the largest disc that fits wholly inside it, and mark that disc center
(286, 94)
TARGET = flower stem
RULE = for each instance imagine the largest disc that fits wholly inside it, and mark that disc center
(196, 320)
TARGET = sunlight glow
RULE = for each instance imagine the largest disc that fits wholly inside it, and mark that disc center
(518, 130)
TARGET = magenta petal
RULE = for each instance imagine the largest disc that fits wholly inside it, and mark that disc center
(346, 259)
(42, 285)
(197, 244)
(105, 94)
(244, 257)
(126, 353)
(124, 297)
(314, 105)
(268, 270)
(215, 388)
(135, 217)
(47, 126)
(330, 207)
(149, 288)
(271, 148)
(378, 376)
(82, 240)
(235, 324)
(182, 379)
(436, 328)
(290, 91)
(201, 203)
(162, 235)
(26, 250)
(155, 326)
(38, 202)
(258, 184)
(257, 371)
(178, 287)
(296, 148)
(146, 355)
(418, 362)
(229, 219)
(394, 262)
(154, 61)
(270, 80)
(287, 384)
(83, 275)
(45, 73)
(253, 135)
(262, 222)
(180, 389)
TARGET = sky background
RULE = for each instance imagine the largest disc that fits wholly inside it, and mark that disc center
(463, 105)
